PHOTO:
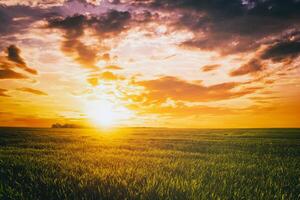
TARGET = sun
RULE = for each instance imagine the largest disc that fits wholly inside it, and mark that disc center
(105, 113)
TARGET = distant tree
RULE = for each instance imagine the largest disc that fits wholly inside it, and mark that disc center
(58, 125)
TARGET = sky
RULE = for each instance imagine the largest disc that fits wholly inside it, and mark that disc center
(160, 63)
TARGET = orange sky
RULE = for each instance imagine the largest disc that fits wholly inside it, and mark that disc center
(205, 64)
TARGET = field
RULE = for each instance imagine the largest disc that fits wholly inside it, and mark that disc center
(148, 163)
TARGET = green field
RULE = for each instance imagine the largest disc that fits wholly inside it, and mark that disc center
(145, 163)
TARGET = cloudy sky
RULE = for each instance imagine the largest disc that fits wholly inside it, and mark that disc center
(173, 63)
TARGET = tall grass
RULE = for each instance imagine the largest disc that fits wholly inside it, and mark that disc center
(149, 164)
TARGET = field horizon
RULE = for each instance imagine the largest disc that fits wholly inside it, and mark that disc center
(149, 163)
(150, 127)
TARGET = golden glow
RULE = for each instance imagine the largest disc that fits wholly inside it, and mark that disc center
(105, 113)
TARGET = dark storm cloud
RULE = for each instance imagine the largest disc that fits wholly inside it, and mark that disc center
(9, 13)
(107, 25)
(229, 26)
(111, 22)
(13, 60)
(13, 54)
(217, 9)
(282, 51)
(71, 23)
(238, 26)
(73, 27)
(16, 19)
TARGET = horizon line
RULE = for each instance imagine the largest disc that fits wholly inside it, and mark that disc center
(158, 127)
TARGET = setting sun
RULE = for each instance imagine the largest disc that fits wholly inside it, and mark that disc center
(106, 114)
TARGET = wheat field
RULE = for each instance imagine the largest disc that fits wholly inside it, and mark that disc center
(149, 163)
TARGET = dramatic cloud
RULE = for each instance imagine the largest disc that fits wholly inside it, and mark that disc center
(18, 18)
(13, 60)
(10, 74)
(112, 23)
(253, 66)
(159, 90)
(282, 51)
(247, 51)
(13, 54)
(72, 46)
(36, 3)
(104, 26)
(229, 26)
(32, 91)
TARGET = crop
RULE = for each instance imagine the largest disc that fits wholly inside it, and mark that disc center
(149, 163)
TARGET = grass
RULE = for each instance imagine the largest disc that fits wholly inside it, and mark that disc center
(145, 163)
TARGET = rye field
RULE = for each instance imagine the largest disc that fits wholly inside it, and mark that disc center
(149, 164)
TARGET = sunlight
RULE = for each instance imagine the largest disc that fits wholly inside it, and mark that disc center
(105, 113)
